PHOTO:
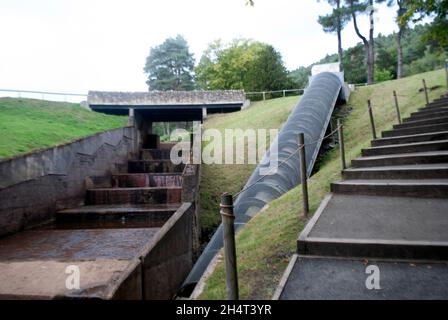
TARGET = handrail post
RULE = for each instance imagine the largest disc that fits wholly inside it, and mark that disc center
(372, 121)
(228, 222)
(264, 96)
(426, 91)
(191, 147)
(341, 144)
(397, 108)
(446, 72)
(303, 174)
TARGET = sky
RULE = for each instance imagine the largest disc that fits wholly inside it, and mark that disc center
(81, 45)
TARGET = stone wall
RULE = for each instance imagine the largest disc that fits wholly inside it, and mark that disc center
(33, 187)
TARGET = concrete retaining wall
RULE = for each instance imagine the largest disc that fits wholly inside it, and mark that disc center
(169, 258)
(33, 187)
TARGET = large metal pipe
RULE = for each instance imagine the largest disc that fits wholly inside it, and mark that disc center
(311, 116)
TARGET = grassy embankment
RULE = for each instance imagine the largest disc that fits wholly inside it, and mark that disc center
(27, 124)
(217, 178)
(266, 244)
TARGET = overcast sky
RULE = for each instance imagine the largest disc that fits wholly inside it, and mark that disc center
(81, 45)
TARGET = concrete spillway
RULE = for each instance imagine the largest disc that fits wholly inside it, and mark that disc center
(312, 117)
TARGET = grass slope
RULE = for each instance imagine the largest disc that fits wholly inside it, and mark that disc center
(266, 244)
(217, 178)
(28, 124)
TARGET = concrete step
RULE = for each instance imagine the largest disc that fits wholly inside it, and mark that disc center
(407, 148)
(430, 116)
(421, 171)
(430, 110)
(155, 154)
(436, 104)
(154, 166)
(417, 123)
(415, 130)
(149, 195)
(378, 226)
(424, 115)
(115, 216)
(322, 278)
(421, 188)
(401, 159)
(432, 136)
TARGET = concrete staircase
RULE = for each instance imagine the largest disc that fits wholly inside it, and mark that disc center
(114, 238)
(390, 210)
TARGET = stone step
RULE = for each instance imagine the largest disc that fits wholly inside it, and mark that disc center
(407, 148)
(420, 188)
(378, 226)
(401, 159)
(149, 195)
(115, 216)
(423, 122)
(327, 278)
(155, 154)
(415, 130)
(421, 137)
(421, 171)
(154, 166)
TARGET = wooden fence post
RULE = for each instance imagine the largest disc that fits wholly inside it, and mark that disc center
(303, 174)
(397, 108)
(228, 219)
(372, 121)
(426, 91)
(341, 144)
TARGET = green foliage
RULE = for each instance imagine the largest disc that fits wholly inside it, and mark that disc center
(419, 9)
(382, 75)
(418, 56)
(170, 65)
(336, 20)
(242, 64)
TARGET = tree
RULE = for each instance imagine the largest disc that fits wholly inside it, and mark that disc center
(402, 25)
(334, 23)
(242, 64)
(170, 66)
(419, 9)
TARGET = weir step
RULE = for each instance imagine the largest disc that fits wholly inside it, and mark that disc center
(422, 171)
(407, 148)
(155, 166)
(148, 195)
(422, 188)
(401, 159)
(115, 216)
(131, 180)
(155, 154)
(421, 137)
(416, 123)
(415, 130)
